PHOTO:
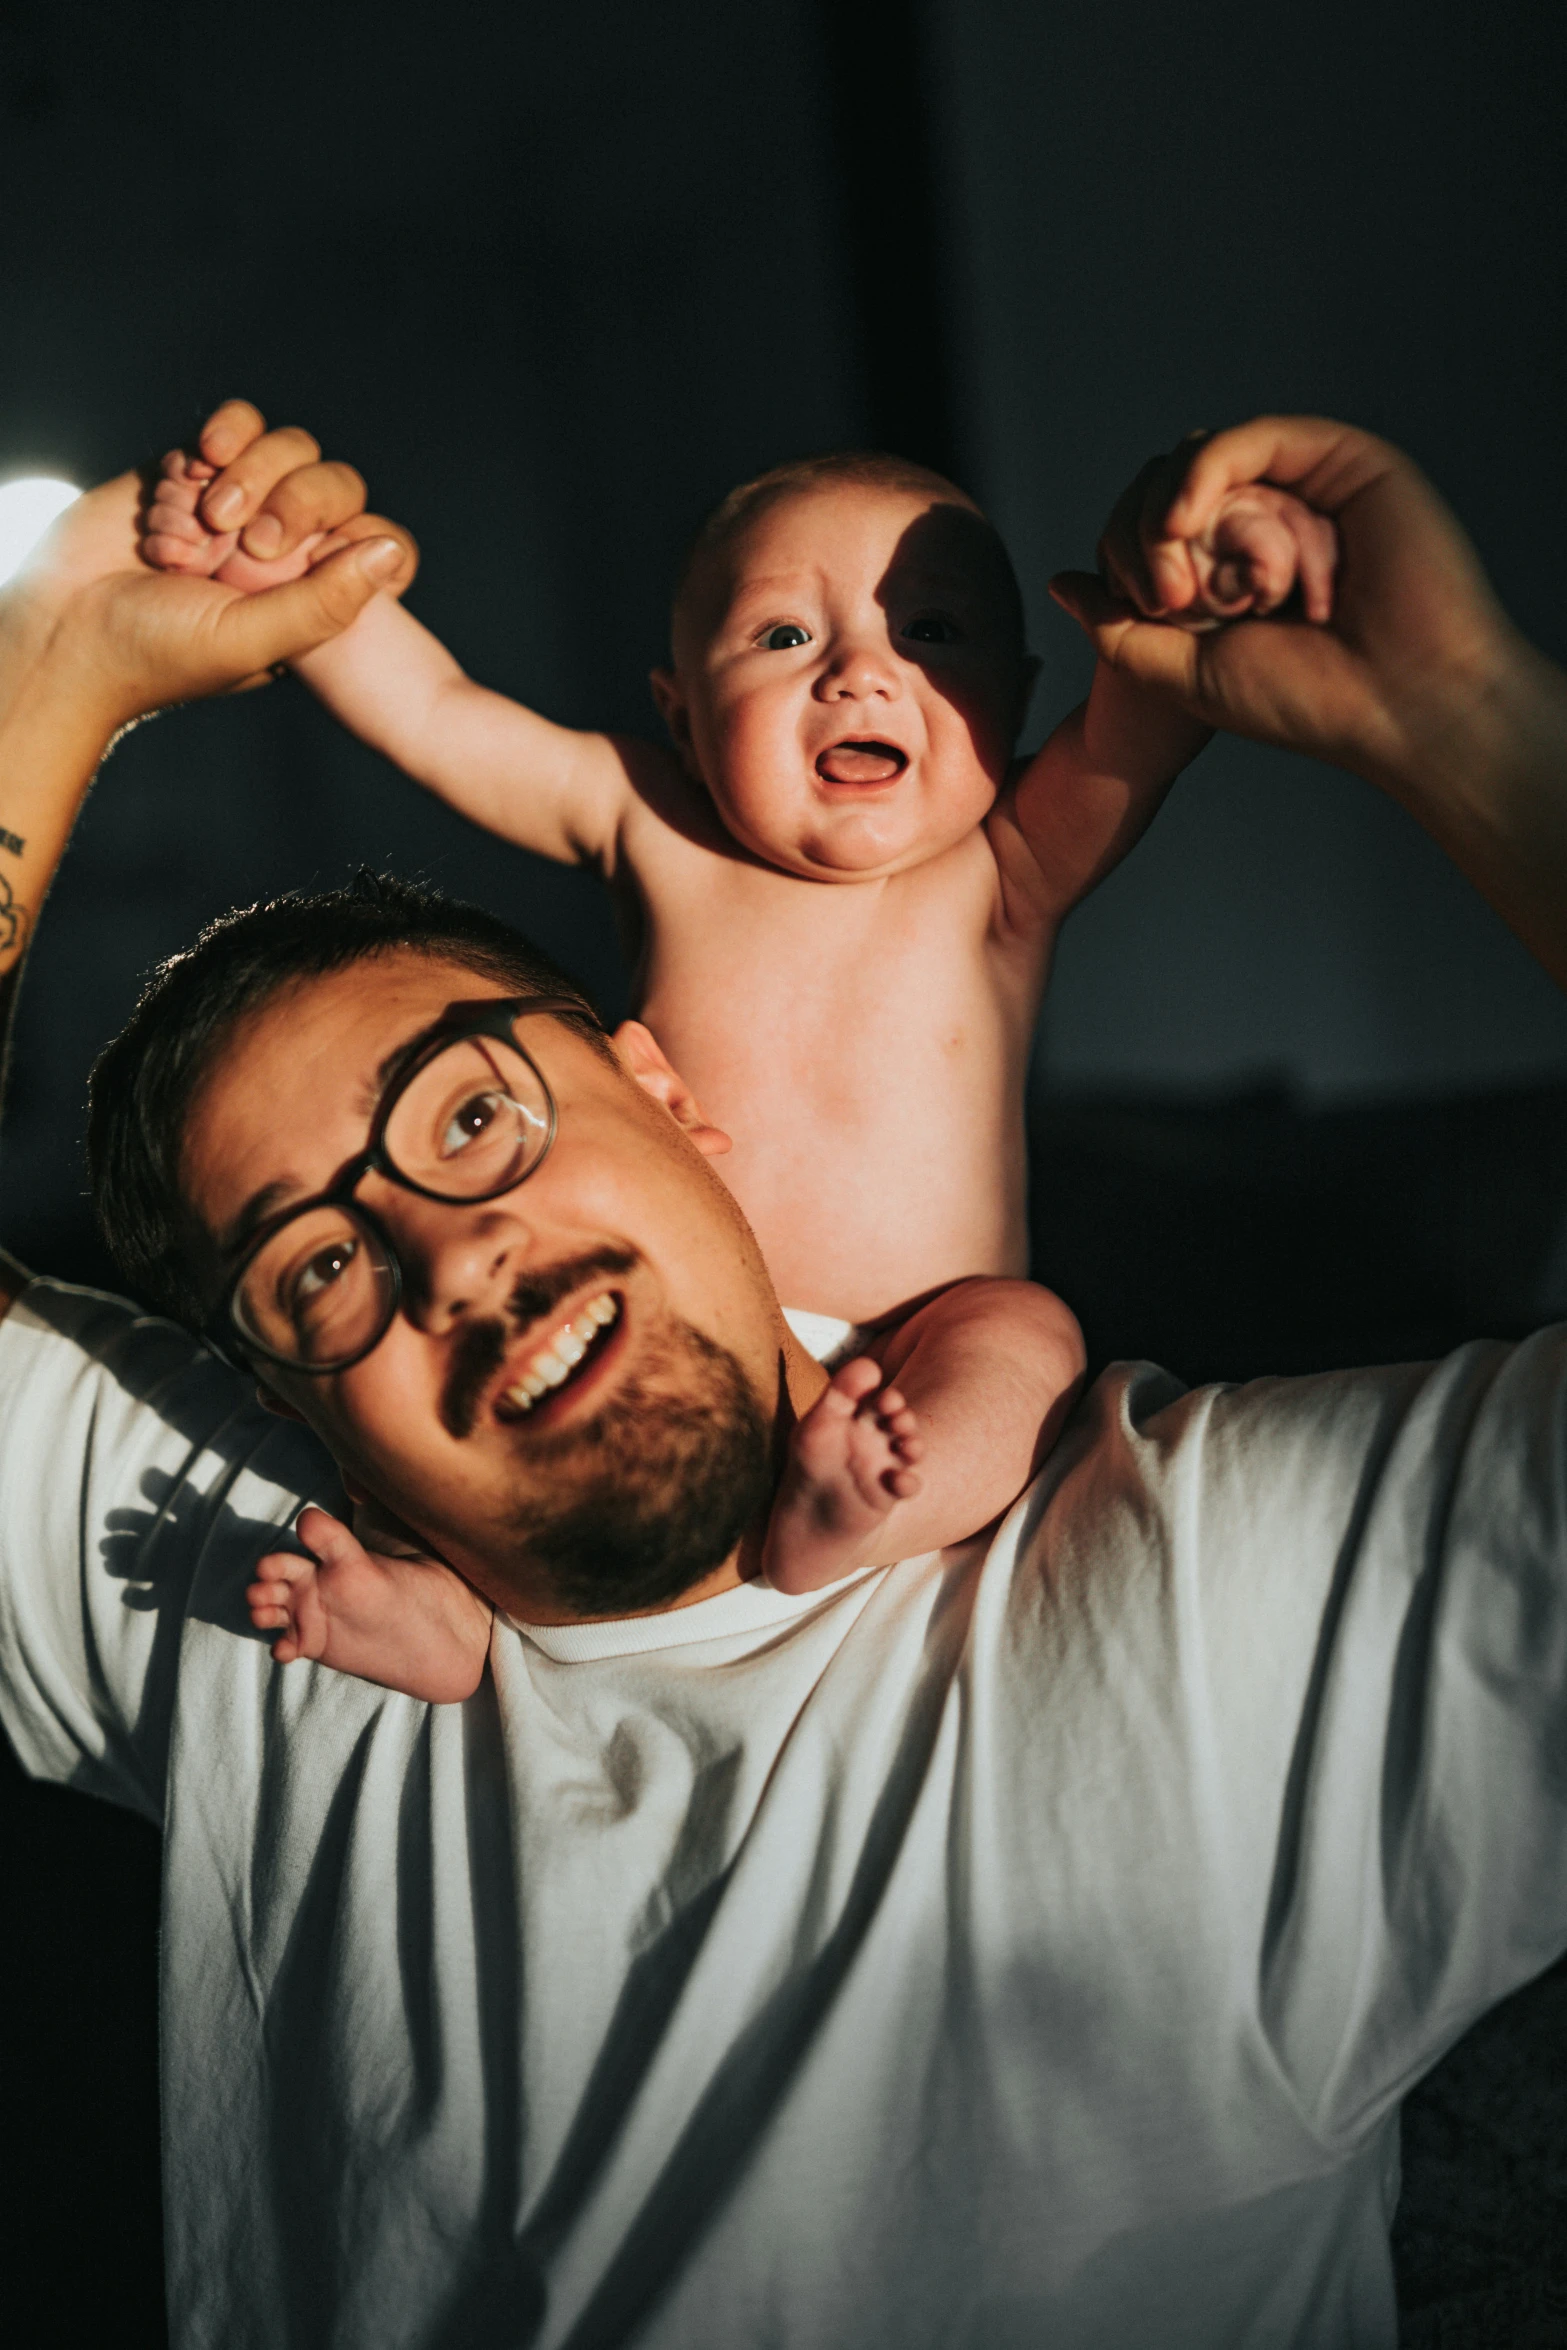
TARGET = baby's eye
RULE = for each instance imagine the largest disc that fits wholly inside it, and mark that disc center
(783, 638)
(932, 628)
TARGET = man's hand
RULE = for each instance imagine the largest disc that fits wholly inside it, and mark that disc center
(1415, 631)
(1419, 681)
(1261, 548)
(133, 639)
(271, 529)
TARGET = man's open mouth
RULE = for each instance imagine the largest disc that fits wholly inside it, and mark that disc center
(861, 762)
(561, 1359)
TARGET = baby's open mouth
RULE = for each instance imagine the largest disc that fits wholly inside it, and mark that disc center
(861, 762)
(561, 1358)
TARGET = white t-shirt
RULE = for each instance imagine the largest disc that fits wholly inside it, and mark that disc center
(1024, 1947)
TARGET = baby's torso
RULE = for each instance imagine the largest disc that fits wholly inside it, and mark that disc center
(865, 1044)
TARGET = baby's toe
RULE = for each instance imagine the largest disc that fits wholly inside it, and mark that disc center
(909, 1448)
(904, 1483)
(857, 1379)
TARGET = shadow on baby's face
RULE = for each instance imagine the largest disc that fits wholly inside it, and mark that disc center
(849, 677)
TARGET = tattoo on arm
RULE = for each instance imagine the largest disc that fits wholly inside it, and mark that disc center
(13, 920)
(12, 841)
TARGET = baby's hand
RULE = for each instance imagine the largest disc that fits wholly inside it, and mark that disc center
(1262, 547)
(175, 537)
(393, 1615)
(850, 1462)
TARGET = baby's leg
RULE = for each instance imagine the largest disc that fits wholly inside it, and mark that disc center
(986, 1373)
(406, 1621)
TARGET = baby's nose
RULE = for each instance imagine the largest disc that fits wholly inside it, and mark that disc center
(859, 671)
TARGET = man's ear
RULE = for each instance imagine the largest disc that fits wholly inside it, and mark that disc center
(279, 1405)
(643, 1056)
(670, 696)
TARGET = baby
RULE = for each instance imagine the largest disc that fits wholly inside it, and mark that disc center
(842, 897)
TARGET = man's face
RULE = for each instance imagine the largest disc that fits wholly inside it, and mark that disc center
(848, 681)
(597, 1495)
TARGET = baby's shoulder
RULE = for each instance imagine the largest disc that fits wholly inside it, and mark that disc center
(667, 811)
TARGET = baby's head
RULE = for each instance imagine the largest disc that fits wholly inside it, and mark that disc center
(849, 671)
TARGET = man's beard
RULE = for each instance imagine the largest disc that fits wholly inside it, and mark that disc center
(635, 1505)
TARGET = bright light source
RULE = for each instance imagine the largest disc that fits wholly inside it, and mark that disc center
(26, 510)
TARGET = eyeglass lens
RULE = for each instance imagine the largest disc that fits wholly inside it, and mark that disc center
(473, 1121)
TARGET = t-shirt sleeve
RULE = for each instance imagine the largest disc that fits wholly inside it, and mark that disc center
(139, 1482)
(1367, 1576)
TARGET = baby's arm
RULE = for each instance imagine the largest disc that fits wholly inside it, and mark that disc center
(392, 1615)
(553, 789)
(1083, 802)
(984, 1376)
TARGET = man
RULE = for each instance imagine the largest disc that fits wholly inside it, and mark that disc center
(1027, 1945)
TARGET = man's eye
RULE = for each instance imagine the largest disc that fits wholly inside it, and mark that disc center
(932, 628)
(469, 1121)
(319, 1272)
(783, 638)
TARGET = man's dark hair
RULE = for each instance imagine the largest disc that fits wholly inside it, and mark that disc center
(874, 468)
(143, 1084)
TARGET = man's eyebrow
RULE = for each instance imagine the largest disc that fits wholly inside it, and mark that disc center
(271, 1196)
(392, 1065)
(260, 1205)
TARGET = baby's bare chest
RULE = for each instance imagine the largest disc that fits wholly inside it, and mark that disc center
(741, 965)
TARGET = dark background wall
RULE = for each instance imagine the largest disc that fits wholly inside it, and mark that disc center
(554, 280)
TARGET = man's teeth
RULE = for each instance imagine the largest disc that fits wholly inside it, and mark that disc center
(556, 1360)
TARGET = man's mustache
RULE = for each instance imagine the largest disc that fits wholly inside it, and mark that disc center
(480, 1347)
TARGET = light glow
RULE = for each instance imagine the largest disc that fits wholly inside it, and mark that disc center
(26, 510)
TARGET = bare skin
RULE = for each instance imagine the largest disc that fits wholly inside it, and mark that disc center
(843, 952)
(861, 739)
(1420, 684)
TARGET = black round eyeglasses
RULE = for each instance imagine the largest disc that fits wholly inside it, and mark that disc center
(467, 1117)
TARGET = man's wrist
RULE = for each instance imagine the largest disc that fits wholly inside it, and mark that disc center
(1497, 725)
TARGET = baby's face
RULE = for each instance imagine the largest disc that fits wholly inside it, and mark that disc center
(848, 681)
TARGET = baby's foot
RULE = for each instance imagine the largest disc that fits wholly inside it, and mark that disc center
(393, 1615)
(850, 1463)
(176, 538)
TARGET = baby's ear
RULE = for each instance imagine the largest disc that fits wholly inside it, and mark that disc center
(670, 697)
(643, 1056)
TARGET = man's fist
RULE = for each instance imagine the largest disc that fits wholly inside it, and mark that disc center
(1388, 683)
(250, 508)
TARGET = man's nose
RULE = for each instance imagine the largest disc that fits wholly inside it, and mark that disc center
(861, 667)
(459, 1263)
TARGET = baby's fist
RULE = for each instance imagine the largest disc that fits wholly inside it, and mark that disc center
(175, 537)
(1262, 547)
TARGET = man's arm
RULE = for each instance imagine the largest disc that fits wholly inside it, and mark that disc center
(91, 640)
(1420, 682)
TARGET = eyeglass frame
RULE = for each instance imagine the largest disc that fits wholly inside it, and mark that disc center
(495, 1016)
